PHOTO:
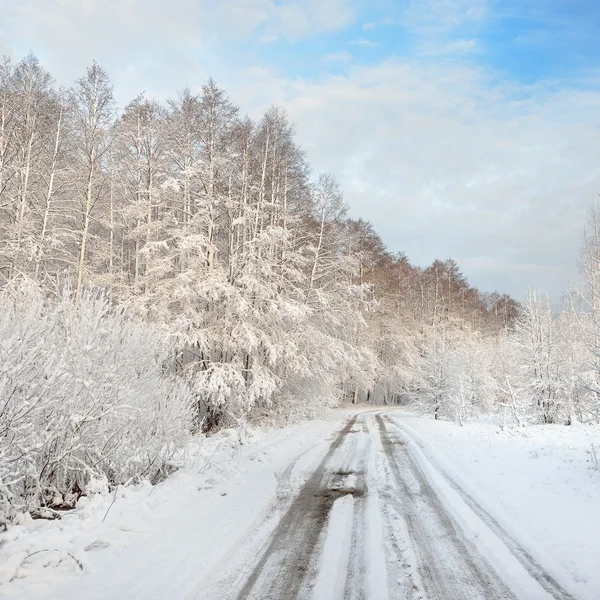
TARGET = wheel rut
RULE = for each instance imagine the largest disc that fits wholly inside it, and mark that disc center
(531, 565)
(449, 567)
(309, 547)
(283, 566)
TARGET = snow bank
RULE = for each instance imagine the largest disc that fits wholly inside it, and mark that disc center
(155, 541)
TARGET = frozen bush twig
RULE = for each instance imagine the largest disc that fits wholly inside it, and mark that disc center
(594, 456)
(111, 505)
(77, 561)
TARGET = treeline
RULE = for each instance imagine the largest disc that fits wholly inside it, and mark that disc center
(209, 230)
(198, 217)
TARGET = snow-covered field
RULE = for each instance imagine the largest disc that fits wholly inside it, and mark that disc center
(370, 504)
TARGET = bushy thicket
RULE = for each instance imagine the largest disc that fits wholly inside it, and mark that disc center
(543, 369)
(84, 396)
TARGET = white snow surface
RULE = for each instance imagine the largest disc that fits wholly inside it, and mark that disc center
(175, 540)
(331, 580)
(160, 541)
(538, 482)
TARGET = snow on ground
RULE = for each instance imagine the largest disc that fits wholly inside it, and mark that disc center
(538, 482)
(526, 500)
(164, 537)
(335, 556)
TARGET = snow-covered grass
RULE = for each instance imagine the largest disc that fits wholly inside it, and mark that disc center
(540, 483)
(164, 538)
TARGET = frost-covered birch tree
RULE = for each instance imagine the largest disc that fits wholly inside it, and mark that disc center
(91, 113)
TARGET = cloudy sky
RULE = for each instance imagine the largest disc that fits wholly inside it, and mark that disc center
(465, 129)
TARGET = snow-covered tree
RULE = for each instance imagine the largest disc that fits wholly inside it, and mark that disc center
(541, 376)
(91, 113)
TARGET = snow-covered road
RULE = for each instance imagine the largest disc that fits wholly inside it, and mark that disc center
(377, 520)
(369, 513)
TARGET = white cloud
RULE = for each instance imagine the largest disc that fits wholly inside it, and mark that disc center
(383, 22)
(67, 35)
(446, 164)
(459, 47)
(180, 41)
(338, 57)
(365, 43)
(440, 26)
(5, 50)
(293, 19)
(443, 15)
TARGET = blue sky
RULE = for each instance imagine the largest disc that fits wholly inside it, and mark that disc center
(460, 128)
(527, 40)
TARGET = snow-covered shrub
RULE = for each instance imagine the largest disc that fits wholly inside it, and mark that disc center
(455, 373)
(556, 360)
(83, 394)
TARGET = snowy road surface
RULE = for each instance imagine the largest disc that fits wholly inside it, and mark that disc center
(368, 514)
(370, 523)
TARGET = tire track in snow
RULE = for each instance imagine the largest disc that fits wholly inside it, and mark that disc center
(232, 572)
(287, 562)
(281, 570)
(448, 566)
(356, 564)
(531, 565)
